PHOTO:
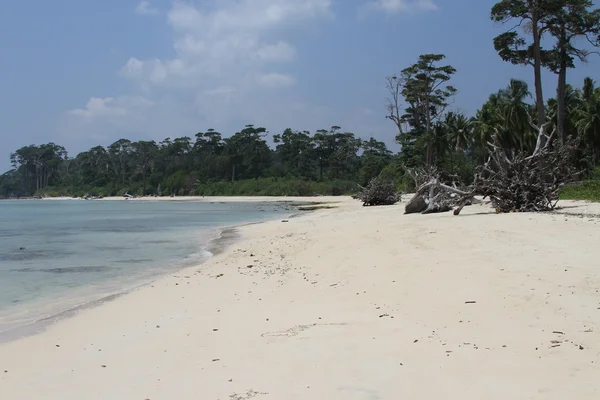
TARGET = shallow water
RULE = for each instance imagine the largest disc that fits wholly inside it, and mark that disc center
(55, 255)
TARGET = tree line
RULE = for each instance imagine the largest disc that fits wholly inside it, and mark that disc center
(543, 34)
(184, 166)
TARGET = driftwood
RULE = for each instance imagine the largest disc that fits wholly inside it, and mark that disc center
(379, 193)
(432, 195)
(513, 181)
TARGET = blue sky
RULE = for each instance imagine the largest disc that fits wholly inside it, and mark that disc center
(83, 73)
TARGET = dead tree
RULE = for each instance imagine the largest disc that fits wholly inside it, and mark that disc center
(432, 195)
(378, 193)
(513, 181)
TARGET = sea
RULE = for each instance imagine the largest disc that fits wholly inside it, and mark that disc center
(61, 255)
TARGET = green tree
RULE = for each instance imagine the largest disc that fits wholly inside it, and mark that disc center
(515, 48)
(249, 153)
(515, 112)
(567, 21)
(145, 152)
(588, 120)
(296, 152)
(459, 130)
(427, 92)
(120, 156)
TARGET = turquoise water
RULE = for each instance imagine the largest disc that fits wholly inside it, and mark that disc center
(55, 255)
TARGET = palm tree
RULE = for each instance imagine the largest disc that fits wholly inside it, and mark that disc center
(487, 123)
(588, 119)
(516, 112)
(460, 131)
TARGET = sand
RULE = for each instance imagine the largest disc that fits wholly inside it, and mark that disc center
(346, 303)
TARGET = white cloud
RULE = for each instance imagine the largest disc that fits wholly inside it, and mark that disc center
(396, 6)
(234, 40)
(275, 80)
(144, 8)
(281, 51)
(229, 56)
(98, 107)
(110, 107)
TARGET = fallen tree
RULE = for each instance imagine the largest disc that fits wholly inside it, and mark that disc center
(378, 193)
(513, 181)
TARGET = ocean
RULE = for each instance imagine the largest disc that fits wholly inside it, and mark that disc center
(59, 255)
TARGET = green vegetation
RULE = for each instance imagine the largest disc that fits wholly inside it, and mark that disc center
(586, 190)
(334, 161)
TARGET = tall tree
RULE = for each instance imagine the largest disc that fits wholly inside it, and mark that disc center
(515, 48)
(248, 151)
(295, 149)
(427, 92)
(120, 154)
(567, 21)
(394, 85)
(145, 152)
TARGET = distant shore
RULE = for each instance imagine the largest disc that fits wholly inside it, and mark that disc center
(303, 199)
(345, 303)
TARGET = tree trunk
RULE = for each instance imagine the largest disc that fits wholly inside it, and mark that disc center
(561, 106)
(429, 159)
(561, 89)
(37, 178)
(233, 173)
(537, 65)
(321, 168)
(144, 180)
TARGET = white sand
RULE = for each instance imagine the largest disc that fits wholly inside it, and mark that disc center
(349, 303)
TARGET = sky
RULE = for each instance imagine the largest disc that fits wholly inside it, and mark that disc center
(87, 73)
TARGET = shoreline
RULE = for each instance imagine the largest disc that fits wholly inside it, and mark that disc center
(214, 199)
(225, 236)
(345, 303)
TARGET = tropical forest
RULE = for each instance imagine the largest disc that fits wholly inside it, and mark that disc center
(551, 35)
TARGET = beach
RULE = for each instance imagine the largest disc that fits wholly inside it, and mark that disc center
(348, 302)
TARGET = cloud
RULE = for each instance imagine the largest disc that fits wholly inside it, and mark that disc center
(99, 107)
(232, 41)
(110, 107)
(397, 6)
(229, 57)
(275, 80)
(144, 8)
